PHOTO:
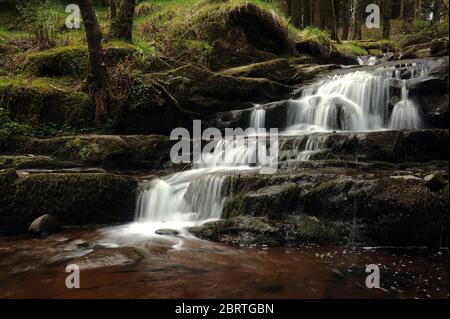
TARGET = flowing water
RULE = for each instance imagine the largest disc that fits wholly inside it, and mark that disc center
(355, 101)
(137, 267)
(178, 265)
(406, 114)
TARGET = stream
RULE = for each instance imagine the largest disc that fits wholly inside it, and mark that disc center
(156, 257)
(185, 267)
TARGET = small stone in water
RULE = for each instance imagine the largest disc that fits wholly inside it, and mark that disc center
(167, 232)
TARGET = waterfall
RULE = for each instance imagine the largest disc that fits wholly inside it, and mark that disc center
(313, 145)
(258, 118)
(192, 197)
(356, 101)
(405, 114)
(188, 197)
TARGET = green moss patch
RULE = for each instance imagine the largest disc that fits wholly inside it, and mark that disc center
(43, 101)
(75, 199)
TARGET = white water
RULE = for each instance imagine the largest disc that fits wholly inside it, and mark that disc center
(405, 114)
(356, 101)
(313, 145)
(258, 118)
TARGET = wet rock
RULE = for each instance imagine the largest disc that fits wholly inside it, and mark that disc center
(44, 225)
(432, 94)
(167, 232)
(109, 257)
(386, 211)
(384, 146)
(261, 231)
(435, 182)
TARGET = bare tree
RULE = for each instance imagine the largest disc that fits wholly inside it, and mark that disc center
(98, 78)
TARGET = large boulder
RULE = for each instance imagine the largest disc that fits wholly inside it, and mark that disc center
(432, 94)
(73, 198)
(44, 225)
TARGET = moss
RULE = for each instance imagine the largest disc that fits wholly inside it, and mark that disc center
(76, 199)
(34, 162)
(150, 151)
(352, 49)
(274, 202)
(67, 60)
(41, 101)
(4, 137)
(206, 92)
(218, 34)
(71, 60)
(295, 231)
(278, 70)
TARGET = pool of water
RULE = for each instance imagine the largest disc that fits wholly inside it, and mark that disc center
(184, 267)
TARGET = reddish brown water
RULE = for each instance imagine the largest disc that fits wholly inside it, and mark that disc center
(154, 268)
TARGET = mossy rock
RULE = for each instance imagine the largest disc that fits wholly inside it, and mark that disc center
(293, 231)
(42, 101)
(274, 202)
(8, 180)
(206, 92)
(34, 162)
(115, 151)
(68, 60)
(72, 60)
(75, 199)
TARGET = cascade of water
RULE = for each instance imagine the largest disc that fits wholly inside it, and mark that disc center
(405, 114)
(194, 196)
(356, 101)
(313, 145)
(258, 118)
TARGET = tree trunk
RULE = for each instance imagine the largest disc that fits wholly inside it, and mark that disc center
(316, 16)
(345, 19)
(402, 9)
(112, 10)
(98, 78)
(386, 17)
(334, 31)
(356, 20)
(122, 25)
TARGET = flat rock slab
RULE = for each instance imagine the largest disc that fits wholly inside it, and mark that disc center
(109, 257)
